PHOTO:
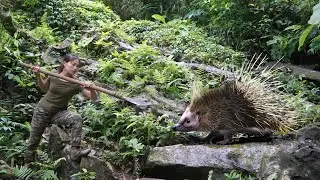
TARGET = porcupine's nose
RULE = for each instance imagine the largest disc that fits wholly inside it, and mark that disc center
(176, 127)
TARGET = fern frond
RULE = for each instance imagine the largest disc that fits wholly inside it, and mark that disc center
(43, 156)
(159, 77)
(48, 175)
(22, 172)
(56, 162)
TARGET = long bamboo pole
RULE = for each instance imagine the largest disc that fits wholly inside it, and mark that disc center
(112, 93)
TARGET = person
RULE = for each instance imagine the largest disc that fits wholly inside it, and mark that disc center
(52, 108)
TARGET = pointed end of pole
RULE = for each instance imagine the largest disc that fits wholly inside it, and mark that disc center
(142, 104)
(21, 63)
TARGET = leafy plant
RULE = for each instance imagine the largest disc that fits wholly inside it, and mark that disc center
(284, 46)
(43, 31)
(132, 146)
(297, 38)
(138, 57)
(145, 9)
(297, 85)
(235, 175)
(311, 33)
(22, 172)
(68, 18)
(249, 25)
(159, 18)
(187, 41)
(30, 3)
(85, 175)
(46, 168)
(122, 122)
(140, 67)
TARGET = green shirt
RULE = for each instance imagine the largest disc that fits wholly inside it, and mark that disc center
(59, 94)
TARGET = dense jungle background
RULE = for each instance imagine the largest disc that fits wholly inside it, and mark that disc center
(135, 47)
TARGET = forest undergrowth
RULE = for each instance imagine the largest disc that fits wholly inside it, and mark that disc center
(138, 56)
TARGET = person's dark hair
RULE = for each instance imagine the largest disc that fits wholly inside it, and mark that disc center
(67, 58)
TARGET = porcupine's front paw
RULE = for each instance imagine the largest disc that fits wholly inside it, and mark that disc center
(213, 137)
(224, 142)
(221, 137)
(227, 138)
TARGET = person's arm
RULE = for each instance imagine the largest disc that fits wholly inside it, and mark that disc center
(43, 84)
(89, 93)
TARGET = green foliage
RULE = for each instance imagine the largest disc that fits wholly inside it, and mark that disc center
(134, 148)
(235, 175)
(311, 33)
(144, 9)
(70, 17)
(315, 18)
(102, 40)
(16, 113)
(8, 126)
(22, 172)
(159, 18)
(150, 67)
(12, 146)
(143, 66)
(283, 46)
(300, 37)
(248, 25)
(43, 31)
(12, 75)
(85, 175)
(295, 85)
(134, 133)
(12, 133)
(48, 175)
(303, 96)
(133, 8)
(307, 112)
(45, 169)
(41, 170)
(186, 40)
(304, 36)
(114, 122)
(30, 2)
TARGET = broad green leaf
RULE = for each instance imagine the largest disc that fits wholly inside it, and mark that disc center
(8, 50)
(3, 172)
(275, 40)
(315, 17)
(315, 38)
(85, 41)
(10, 76)
(16, 43)
(304, 36)
(159, 18)
(293, 27)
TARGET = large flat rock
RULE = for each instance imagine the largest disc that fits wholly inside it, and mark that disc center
(294, 157)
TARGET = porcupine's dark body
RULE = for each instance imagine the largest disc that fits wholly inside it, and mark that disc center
(232, 108)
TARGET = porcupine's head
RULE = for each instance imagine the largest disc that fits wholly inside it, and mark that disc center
(189, 121)
(194, 117)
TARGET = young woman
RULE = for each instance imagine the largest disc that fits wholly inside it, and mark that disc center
(52, 108)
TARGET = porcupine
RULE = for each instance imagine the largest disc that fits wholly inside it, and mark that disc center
(247, 104)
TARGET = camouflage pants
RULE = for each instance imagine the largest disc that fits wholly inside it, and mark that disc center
(42, 119)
